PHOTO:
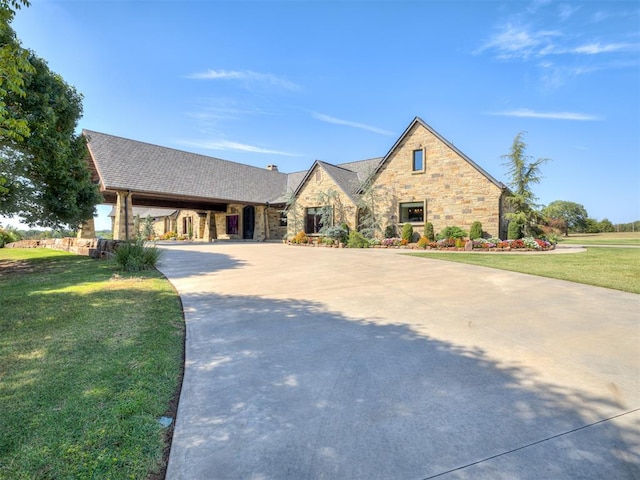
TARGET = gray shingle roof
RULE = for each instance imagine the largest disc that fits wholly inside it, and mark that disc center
(124, 164)
(364, 168)
(343, 178)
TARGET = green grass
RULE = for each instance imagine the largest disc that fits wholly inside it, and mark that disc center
(617, 268)
(622, 238)
(89, 361)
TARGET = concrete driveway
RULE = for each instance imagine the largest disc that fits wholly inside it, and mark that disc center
(315, 363)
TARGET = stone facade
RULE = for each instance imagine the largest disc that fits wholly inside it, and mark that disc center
(319, 184)
(448, 189)
(423, 178)
(453, 191)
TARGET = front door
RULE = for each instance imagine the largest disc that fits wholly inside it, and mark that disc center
(248, 222)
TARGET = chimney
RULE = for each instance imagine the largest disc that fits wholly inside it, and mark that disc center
(272, 167)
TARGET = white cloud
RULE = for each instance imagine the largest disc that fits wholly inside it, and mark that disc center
(566, 10)
(225, 145)
(596, 48)
(328, 119)
(519, 41)
(246, 76)
(527, 113)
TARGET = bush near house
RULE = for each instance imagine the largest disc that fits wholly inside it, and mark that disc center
(514, 230)
(476, 231)
(451, 232)
(428, 231)
(136, 256)
(357, 240)
(407, 232)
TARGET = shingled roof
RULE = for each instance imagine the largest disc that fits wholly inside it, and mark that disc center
(124, 164)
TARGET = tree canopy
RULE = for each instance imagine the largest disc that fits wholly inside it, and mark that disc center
(573, 214)
(44, 178)
(523, 172)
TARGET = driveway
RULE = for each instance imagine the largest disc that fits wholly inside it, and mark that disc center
(316, 363)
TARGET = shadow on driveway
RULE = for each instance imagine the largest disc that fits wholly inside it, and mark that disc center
(286, 389)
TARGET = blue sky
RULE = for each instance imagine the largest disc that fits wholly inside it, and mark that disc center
(288, 82)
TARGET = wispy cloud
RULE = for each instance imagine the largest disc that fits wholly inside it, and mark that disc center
(247, 76)
(226, 145)
(527, 113)
(337, 121)
(596, 48)
(566, 11)
(519, 41)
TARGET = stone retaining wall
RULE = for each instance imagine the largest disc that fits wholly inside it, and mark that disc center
(92, 247)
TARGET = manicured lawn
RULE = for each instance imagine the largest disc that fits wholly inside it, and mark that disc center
(90, 359)
(622, 238)
(617, 268)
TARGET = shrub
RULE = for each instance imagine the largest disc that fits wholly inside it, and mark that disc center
(339, 233)
(407, 232)
(8, 236)
(300, 237)
(428, 231)
(423, 242)
(169, 236)
(514, 230)
(390, 231)
(135, 256)
(357, 240)
(475, 231)
(451, 232)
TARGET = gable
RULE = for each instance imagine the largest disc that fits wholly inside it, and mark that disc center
(420, 136)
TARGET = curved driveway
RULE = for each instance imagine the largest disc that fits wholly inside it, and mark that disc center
(315, 363)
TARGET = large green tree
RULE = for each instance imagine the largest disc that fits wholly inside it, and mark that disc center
(573, 214)
(14, 64)
(44, 178)
(523, 172)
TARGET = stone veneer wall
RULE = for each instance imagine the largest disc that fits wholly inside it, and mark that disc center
(344, 211)
(456, 193)
(94, 247)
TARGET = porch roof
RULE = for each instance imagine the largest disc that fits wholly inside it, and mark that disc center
(154, 171)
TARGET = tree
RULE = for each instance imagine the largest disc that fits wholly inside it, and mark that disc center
(523, 172)
(14, 64)
(606, 226)
(574, 215)
(44, 177)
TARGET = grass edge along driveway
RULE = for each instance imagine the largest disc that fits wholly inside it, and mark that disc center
(90, 359)
(617, 268)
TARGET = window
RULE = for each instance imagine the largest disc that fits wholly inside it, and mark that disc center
(283, 218)
(418, 160)
(233, 224)
(412, 212)
(313, 220)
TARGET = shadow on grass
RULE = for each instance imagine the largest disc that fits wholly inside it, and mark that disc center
(287, 389)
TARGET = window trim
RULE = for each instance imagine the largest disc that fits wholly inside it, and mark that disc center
(316, 223)
(413, 161)
(418, 204)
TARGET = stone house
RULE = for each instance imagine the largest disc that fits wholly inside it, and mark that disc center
(422, 178)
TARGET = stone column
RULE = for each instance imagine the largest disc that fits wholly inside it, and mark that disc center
(123, 225)
(210, 227)
(87, 230)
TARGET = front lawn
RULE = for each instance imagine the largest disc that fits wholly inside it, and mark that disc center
(90, 359)
(617, 268)
(613, 238)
